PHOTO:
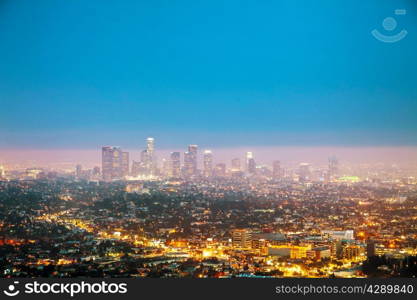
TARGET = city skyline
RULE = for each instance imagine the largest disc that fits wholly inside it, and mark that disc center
(208, 139)
(266, 155)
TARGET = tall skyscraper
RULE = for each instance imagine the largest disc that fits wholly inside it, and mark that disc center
(147, 159)
(78, 171)
(190, 161)
(175, 164)
(250, 163)
(304, 172)
(276, 169)
(208, 163)
(333, 167)
(150, 148)
(111, 163)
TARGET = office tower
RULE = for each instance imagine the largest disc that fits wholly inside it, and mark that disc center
(144, 163)
(78, 171)
(241, 238)
(208, 163)
(236, 165)
(148, 158)
(190, 161)
(220, 170)
(333, 167)
(250, 163)
(276, 169)
(175, 164)
(111, 163)
(304, 171)
(150, 147)
(125, 163)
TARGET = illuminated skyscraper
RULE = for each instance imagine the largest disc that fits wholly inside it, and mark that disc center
(276, 169)
(190, 161)
(241, 238)
(148, 159)
(250, 163)
(208, 163)
(175, 164)
(111, 163)
(150, 146)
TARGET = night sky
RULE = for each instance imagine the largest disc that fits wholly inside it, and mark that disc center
(80, 74)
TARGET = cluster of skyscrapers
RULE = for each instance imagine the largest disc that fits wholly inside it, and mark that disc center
(116, 165)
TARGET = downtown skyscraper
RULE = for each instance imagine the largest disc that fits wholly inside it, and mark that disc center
(208, 163)
(190, 161)
(114, 163)
(250, 164)
(175, 164)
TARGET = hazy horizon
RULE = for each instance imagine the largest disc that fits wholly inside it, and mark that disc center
(289, 155)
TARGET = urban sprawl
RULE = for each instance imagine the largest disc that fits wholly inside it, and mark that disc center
(187, 216)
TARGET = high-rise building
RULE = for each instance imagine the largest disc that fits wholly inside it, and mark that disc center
(241, 238)
(250, 163)
(304, 172)
(150, 145)
(150, 149)
(2, 172)
(148, 158)
(78, 171)
(125, 163)
(276, 169)
(111, 163)
(208, 163)
(333, 167)
(190, 161)
(175, 170)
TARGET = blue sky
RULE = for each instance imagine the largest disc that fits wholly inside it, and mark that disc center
(80, 74)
